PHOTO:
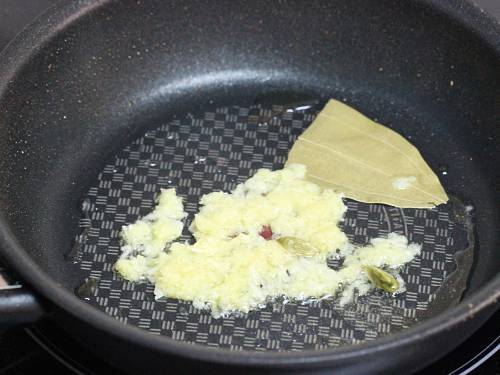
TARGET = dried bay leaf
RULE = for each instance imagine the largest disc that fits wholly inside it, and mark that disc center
(346, 151)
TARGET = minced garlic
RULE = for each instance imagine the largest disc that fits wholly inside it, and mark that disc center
(239, 260)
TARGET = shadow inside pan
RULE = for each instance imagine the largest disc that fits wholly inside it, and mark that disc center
(215, 149)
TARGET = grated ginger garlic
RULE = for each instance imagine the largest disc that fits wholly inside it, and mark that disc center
(236, 263)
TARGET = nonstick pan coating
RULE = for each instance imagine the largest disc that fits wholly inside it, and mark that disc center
(91, 77)
(215, 150)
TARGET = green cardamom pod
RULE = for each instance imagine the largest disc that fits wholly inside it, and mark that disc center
(297, 246)
(381, 279)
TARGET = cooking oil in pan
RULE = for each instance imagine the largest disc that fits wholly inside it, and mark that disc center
(75, 252)
(198, 154)
(87, 289)
(455, 284)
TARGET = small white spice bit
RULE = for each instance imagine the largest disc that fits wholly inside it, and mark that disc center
(452, 83)
(403, 183)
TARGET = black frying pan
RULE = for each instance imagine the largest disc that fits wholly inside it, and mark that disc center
(104, 102)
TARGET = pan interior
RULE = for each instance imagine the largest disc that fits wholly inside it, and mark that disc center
(214, 150)
(103, 78)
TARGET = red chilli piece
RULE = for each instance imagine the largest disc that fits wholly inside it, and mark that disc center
(266, 232)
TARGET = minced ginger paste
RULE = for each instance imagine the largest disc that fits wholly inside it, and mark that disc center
(269, 238)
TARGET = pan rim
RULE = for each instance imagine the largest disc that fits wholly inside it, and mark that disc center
(33, 38)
